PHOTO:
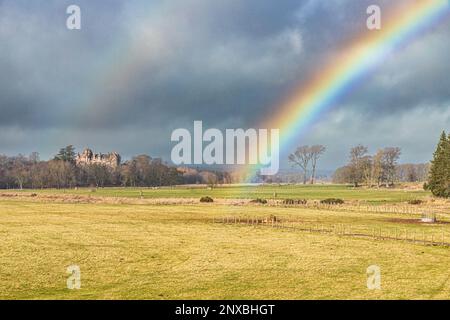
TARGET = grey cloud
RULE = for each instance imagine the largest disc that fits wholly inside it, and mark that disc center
(139, 69)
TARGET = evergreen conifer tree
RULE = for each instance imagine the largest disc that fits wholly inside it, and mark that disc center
(439, 180)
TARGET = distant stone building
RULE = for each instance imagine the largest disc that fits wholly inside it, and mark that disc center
(111, 160)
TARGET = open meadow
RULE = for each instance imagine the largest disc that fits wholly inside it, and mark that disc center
(316, 192)
(220, 250)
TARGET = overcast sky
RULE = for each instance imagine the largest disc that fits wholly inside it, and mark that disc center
(137, 70)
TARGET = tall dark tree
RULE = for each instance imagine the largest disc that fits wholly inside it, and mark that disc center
(439, 179)
(66, 154)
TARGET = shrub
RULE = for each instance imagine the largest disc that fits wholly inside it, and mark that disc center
(206, 199)
(289, 201)
(258, 200)
(293, 201)
(415, 201)
(332, 201)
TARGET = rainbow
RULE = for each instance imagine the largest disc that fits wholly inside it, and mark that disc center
(355, 62)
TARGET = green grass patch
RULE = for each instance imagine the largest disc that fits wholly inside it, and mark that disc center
(310, 192)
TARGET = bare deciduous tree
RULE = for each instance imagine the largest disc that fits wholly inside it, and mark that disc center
(301, 157)
(19, 170)
(377, 167)
(391, 156)
(315, 153)
(357, 155)
(366, 169)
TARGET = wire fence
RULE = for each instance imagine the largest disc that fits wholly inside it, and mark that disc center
(388, 208)
(408, 235)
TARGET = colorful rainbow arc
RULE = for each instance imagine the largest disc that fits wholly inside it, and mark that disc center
(354, 63)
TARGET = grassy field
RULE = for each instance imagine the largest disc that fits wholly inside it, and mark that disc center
(251, 192)
(177, 252)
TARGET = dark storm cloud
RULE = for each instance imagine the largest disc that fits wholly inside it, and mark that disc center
(43, 66)
(416, 76)
(138, 69)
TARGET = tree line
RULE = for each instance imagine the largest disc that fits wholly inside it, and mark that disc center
(379, 169)
(18, 172)
(369, 169)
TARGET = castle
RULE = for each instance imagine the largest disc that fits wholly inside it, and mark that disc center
(111, 160)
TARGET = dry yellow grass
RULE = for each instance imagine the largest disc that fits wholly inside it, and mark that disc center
(175, 252)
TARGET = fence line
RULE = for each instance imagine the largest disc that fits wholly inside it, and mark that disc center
(374, 233)
(403, 209)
